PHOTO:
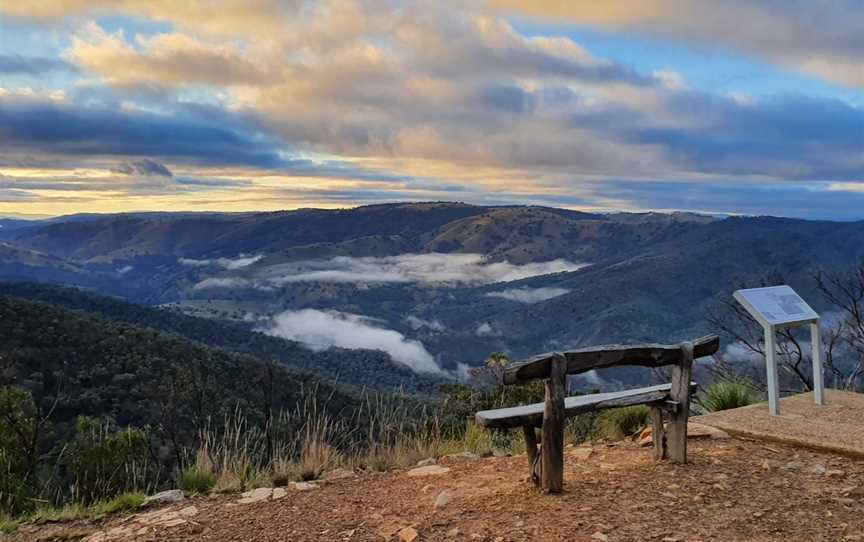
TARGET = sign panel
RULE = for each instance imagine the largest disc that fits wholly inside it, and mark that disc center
(777, 305)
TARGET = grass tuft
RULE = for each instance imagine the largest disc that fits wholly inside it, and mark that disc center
(196, 480)
(727, 394)
(619, 423)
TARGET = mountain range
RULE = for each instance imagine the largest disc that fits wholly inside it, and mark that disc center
(436, 286)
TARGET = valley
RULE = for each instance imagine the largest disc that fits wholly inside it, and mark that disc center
(436, 287)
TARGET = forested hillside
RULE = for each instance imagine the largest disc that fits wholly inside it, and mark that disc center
(80, 365)
(355, 368)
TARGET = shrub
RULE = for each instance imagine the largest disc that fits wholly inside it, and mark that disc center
(619, 423)
(196, 480)
(105, 464)
(18, 433)
(726, 394)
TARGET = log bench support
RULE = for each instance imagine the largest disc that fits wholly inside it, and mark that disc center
(552, 450)
(669, 403)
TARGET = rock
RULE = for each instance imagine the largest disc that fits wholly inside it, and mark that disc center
(600, 536)
(408, 534)
(256, 495)
(443, 499)
(453, 533)
(164, 497)
(303, 486)
(834, 472)
(429, 470)
(278, 493)
(818, 469)
(338, 474)
(426, 462)
(465, 455)
(700, 431)
(793, 466)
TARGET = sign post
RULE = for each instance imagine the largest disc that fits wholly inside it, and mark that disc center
(776, 308)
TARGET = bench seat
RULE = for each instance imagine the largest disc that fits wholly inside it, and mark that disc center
(532, 415)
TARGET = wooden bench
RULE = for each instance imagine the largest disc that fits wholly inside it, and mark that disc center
(673, 400)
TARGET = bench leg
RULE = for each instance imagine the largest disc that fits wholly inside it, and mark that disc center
(681, 373)
(658, 433)
(531, 451)
(552, 451)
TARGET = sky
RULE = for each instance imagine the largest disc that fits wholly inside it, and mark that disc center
(736, 107)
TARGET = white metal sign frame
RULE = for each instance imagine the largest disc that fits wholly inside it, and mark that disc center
(776, 308)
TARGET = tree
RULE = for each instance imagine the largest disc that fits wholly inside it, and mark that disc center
(842, 330)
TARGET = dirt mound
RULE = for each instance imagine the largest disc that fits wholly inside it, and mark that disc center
(733, 490)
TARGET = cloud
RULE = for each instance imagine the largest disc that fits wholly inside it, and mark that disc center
(215, 283)
(484, 330)
(321, 330)
(169, 59)
(368, 101)
(817, 38)
(418, 323)
(434, 268)
(528, 295)
(14, 64)
(225, 263)
(145, 167)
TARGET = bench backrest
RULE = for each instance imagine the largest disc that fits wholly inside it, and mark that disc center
(601, 357)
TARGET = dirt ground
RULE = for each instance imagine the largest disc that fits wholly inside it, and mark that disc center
(732, 490)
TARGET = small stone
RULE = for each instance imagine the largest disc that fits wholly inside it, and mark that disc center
(256, 495)
(600, 536)
(793, 466)
(303, 486)
(408, 534)
(426, 462)
(443, 499)
(164, 497)
(834, 472)
(453, 533)
(818, 469)
(429, 470)
(278, 493)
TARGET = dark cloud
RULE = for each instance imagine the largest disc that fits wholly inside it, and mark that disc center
(30, 125)
(145, 167)
(13, 64)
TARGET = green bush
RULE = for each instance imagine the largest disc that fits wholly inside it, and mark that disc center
(196, 480)
(619, 423)
(19, 428)
(103, 464)
(726, 394)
